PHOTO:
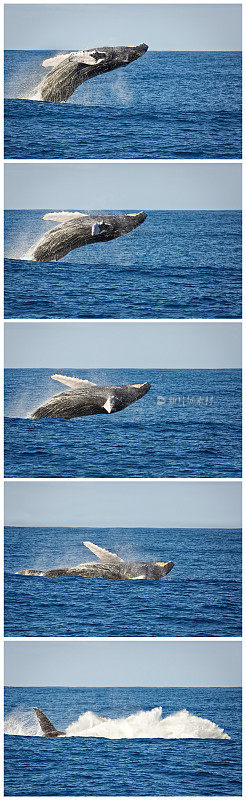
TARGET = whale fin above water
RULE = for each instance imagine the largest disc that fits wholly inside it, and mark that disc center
(63, 216)
(45, 724)
(109, 405)
(74, 383)
(89, 57)
(98, 227)
(54, 61)
(101, 553)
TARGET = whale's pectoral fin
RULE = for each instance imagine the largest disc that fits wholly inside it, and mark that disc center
(45, 724)
(63, 216)
(109, 405)
(100, 552)
(98, 227)
(55, 61)
(74, 383)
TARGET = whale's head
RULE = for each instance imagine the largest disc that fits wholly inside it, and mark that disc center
(129, 393)
(111, 226)
(128, 54)
(113, 56)
(132, 221)
(139, 389)
(150, 570)
(162, 568)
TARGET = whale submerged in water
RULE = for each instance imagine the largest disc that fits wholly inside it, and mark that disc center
(69, 70)
(77, 229)
(111, 566)
(85, 398)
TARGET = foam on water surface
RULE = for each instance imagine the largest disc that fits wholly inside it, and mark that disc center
(141, 725)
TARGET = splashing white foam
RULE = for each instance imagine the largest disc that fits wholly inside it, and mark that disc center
(21, 723)
(142, 725)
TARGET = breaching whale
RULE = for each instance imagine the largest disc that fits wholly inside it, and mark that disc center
(111, 566)
(85, 398)
(77, 229)
(69, 70)
(46, 726)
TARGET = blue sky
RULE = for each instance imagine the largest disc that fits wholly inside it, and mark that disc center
(162, 27)
(83, 186)
(124, 503)
(123, 663)
(123, 345)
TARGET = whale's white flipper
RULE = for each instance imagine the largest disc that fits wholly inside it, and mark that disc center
(54, 61)
(96, 229)
(72, 382)
(89, 57)
(63, 216)
(99, 227)
(101, 553)
(109, 404)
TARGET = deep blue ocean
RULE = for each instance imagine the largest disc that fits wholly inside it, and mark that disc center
(188, 425)
(165, 105)
(76, 766)
(201, 596)
(177, 264)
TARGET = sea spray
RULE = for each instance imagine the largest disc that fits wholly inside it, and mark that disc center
(21, 723)
(141, 725)
(24, 83)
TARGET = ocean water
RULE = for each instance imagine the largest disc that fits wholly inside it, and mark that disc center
(188, 425)
(142, 764)
(177, 264)
(165, 105)
(201, 596)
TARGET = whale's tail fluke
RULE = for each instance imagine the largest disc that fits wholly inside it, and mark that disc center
(45, 724)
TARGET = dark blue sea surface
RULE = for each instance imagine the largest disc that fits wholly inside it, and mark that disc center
(201, 596)
(177, 264)
(165, 105)
(188, 425)
(77, 766)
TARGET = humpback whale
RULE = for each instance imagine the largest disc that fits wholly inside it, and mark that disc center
(77, 229)
(46, 726)
(69, 70)
(85, 398)
(111, 566)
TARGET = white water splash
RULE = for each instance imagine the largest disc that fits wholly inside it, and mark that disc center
(142, 725)
(21, 723)
(25, 84)
(22, 247)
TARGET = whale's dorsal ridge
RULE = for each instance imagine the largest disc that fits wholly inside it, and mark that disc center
(73, 383)
(102, 553)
